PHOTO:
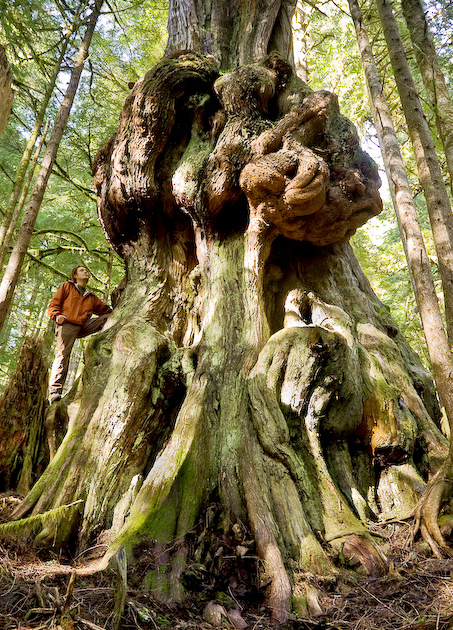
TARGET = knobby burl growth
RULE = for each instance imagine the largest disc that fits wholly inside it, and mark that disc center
(257, 131)
(253, 389)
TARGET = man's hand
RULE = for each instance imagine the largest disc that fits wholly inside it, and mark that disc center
(60, 319)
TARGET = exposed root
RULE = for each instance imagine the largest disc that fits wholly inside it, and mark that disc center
(50, 528)
(427, 513)
(361, 550)
(279, 595)
(430, 540)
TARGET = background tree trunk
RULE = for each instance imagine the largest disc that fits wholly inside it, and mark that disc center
(429, 171)
(6, 90)
(300, 24)
(19, 204)
(8, 223)
(432, 75)
(24, 452)
(417, 258)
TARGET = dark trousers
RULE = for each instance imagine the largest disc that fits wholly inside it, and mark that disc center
(66, 334)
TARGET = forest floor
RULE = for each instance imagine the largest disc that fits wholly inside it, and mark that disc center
(42, 591)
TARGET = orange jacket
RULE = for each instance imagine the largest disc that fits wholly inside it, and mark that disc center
(77, 309)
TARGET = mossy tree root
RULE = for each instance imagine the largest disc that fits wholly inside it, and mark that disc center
(427, 513)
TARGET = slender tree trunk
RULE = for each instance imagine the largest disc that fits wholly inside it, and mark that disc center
(300, 25)
(25, 160)
(6, 91)
(8, 236)
(433, 78)
(429, 171)
(418, 262)
(14, 266)
(42, 314)
(31, 303)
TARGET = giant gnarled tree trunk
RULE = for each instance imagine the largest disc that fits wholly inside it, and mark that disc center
(249, 387)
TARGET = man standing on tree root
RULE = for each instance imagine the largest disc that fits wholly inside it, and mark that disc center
(72, 307)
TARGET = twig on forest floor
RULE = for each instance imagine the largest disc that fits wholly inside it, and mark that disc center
(230, 591)
(437, 620)
(85, 551)
(69, 592)
(90, 624)
(39, 611)
(381, 602)
(11, 587)
(132, 607)
(260, 619)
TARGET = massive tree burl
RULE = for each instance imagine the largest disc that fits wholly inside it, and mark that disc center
(251, 392)
(254, 130)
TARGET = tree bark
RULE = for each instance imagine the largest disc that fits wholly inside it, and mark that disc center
(6, 90)
(429, 171)
(300, 25)
(18, 254)
(432, 75)
(235, 33)
(418, 262)
(249, 388)
(23, 451)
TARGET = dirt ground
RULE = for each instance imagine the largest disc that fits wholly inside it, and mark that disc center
(44, 591)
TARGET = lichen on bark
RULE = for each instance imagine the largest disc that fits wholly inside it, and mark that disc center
(249, 383)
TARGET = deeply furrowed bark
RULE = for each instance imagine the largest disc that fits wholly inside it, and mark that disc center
(249, 384)
(235, 33)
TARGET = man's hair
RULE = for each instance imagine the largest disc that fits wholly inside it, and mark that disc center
(72, 275)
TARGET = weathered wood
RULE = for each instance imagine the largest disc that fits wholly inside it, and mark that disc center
(119, 565)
